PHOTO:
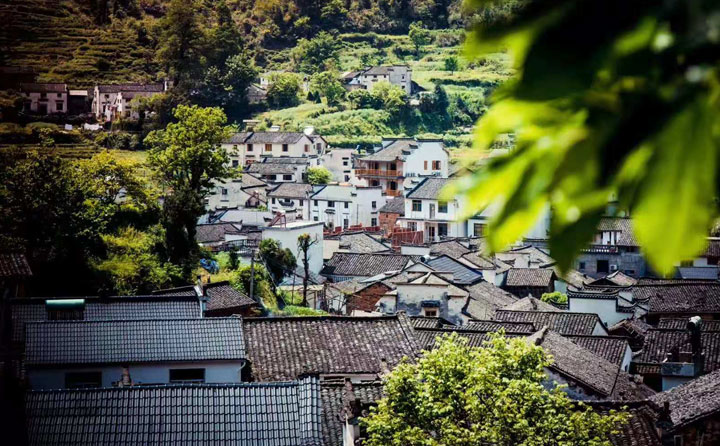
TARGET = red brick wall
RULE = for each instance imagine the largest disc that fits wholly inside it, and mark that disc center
(365, 299)
(387, 221)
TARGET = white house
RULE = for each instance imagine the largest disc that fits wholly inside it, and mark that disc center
(345, 206)
(399, 164)
(287, 236)
(398, 75)
(44, 99)
(292, 199)
(340, 164)
(249, 191)
(114, 101)
(426, 212)
(250, 147)
(103, 353)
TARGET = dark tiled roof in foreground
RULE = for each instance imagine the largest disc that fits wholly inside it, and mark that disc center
(485, 298)
(679, 296)
(692, 401)
(509, 327)
(640, 430)
(335, 397)
(426, 337)
(529, 277)
(681, 324)
(112, 308)
(222, 296)
(14, 265)
(660, 342)
(427, 322)
(366, 265)
(284, 348)
(215, 232)
(610, 348)
(562, 322)
(277, 414)
(123, 342)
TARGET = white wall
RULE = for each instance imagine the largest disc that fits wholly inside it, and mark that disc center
(357, 209)
(604, 308)
(52, 100)
(427, 151)
(235, 196)
(288, 235)
(340, 164)
(215, 372)
(301, 206)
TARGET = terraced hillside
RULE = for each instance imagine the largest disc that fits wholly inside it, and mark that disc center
(59, 40)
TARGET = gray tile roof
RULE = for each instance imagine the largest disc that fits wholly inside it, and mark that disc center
(699, 272)
(284, 348)
(530, 303)
(626, 236)
(679, 296)
(427, 322)
(486, 298)
(249, 180)
(223, 297)
(133, 341)
(187, 290)
(529, 277)
(509, 327)
(610, 348)
(43, 87)
(366, 265)
(271, 169)
(115, 88)
(382, 69)
(462, 275)
(273, 137)
(276, 414)
(114, 308)
(14, 265)
(660, 342)
(362, 242)
(215, 232)
(293, 160)
(291, 190)
(640, 430)
(335, 397)
(426, 337)
(562, 322)
(394, 206)
(681, 324)
(396, 150)
(428, 189)
(692, 401)
(452, 248)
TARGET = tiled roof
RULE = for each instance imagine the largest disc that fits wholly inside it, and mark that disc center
(283, 348)
(427, 322)
(618, 278)
(361, 242)
(452, 248)
(562, 322)
(692, 401)
(428, 189)
(277, 414)
(43, 88)
(699, 272)
(396, 150)
(14, 265)
(529, 277)
(432, 278)
(660, 342)
(223, 297)
(287, 160)
(680, 297)
(509, 327)
(530, 303)
(462, 275)
(114, 308)
(157, 88)
(640, 429)
(367, 265)
(485, 298)
(713, 248)
(610, 348)
(335, 397)
(187, 290)
(215, 232)
(383, 69)
(271, 169)
(248, 180)
(634, 329)
(623, 225)
(394, 206)
(122, 342)
(273, 137)
(426, 337)
(681, 324)
(291, 190)
(480, 261)
(592, 371)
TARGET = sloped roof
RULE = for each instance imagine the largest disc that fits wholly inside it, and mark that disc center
(562, 322)
(394, 206)
(509, 327)
(292, 160)
(283, 348)
(427, 322)
(529, 277)
(291, 190)
(222, 296)
(530, 303)
(640, 429)
(426, 337)
(276, 414)
(660, 342)
(610, 348)
(366, 265)
(485, 298)
(623, 225)
(396, 150)
(271, 169)
(428, 189)
(432, 278)
(382, 69)
(43, 87)
(362, 242)
(215, 232)
(617, 278)
(14, 265)
(273, 137)
(335, 397)
(680, 296)
(462, 275)
(452, 248)
(115, 88)
(699, 272)
(692, 401)
(112, 308)
(133, 341)
(681, 324)
(248, 180)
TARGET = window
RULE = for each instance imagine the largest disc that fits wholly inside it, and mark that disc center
(318, 146)
(479, 229)
(603, 266)
(417, 206)
(393, 185)
(436, 165)
(373, 221)
(430, 312)
(347, 205)
(268, 147)
(347, 177)
(307, 147)
(43, 95)
(442, 207)
(250, 148)
(346, 223)
(315, 202)
(345, 163)
(374, 183)
(224, 191)
(273, 201)
(315, 218)
(187, 375)
(301, 202)
(83, 380)
(331, 204)
(59, 105)
(393, 166)
(686, 263)
(374, 205)
(678, 440)
(287, 177)
(284, 147)
(412, 226)
(442, 229)
(272, 177)
(235, 163)
(425, 164)
(581, 266)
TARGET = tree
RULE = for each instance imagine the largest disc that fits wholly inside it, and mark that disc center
(283, 90)
(279, 262)
(181, 40)
(362, 98)
(304, 244)
(493, 395)
(227, 86)
(317, 54)
(187, 159)
(318, 175)
(390, 96)
(419, 36)
(605, 105)
(451, 64)
(555, 297)
(327, 85)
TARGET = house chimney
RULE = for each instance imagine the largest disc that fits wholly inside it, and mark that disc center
(694, 326)
(199, 289)
(125, 380)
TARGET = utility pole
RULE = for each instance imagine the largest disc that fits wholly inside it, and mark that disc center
(252, 274)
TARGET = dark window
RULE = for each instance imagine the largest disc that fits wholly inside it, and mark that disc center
(375, 183)
(442, 206)
(287, 177)
(430, 313)
(273, 201)
(678, 439)
(581, 267)
(346, 223)
(374, 205)
(686, 263)
(235, 163)
(347, 205)
(307, 147)
(373, 222)
(436, 165)
(393, 185)
(285, 147)
(442, 229)
(331, 204)
(315, 202)
(59, 105)
(416, 205)
(478, 229)
(224, 191)
(268, 147)
(187, 375)
(603, 266)
(347, 177)
(345, 163)
(315, 218)
(301, 202)
(250, 147)
(83, 380)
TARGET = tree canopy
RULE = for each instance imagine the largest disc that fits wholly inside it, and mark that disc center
(465, 396)
(610, 103)
(318, 175)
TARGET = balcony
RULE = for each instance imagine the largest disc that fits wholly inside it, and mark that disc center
(394, 193)
(378, 173)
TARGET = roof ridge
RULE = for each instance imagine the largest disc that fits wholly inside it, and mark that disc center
(105, 321)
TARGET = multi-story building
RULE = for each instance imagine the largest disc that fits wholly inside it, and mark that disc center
(400, 163)
(399, 75)
(291, 198)
(340, 164)
(614, 249)
(345, 206)
(250, 147)
(426, 211)
(114, 101)
(44, 99)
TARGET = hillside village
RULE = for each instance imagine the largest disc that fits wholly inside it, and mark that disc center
(383, 266)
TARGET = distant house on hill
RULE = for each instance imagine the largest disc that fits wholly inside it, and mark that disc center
(246, 148)
(114, 101)
(44, 99)
(398, 75)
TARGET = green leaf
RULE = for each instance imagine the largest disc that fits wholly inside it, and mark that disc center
(674, 208)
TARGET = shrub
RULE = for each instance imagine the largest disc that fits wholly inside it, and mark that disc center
(555, 298)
